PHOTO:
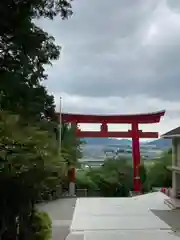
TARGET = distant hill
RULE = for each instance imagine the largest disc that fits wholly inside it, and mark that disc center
(159, 143)
(95, 147)
(107, 141)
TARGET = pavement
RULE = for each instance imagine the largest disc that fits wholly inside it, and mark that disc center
(141, 217)
(171, 217)
(61, 213)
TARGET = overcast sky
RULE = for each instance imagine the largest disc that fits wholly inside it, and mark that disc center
(119, 56)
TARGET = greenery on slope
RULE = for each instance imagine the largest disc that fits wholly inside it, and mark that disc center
(115, 177)
(31, 168)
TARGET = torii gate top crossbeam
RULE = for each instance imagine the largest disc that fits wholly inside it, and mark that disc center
(143, 118)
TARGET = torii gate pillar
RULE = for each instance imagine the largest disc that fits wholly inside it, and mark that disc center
(136, 158)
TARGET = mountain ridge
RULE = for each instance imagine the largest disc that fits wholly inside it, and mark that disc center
(159, 143)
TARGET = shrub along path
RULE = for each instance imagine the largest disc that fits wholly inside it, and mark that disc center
(61, 213)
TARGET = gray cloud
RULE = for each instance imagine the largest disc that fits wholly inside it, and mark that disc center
(118, 57)
(118, 49)
(174, 5)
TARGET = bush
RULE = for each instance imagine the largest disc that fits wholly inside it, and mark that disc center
(42, 226)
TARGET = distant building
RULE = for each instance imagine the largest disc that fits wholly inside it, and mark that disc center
(91, 162)
(147, 151)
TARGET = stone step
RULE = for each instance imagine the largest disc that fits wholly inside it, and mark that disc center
(170, 203)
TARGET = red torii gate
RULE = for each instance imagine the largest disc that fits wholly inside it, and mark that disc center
(134, 133)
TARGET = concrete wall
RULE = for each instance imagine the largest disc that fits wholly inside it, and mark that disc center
(176, 163)
(177, 142)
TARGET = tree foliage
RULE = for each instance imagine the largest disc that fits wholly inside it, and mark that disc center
(25, 49)
(114, 178)
(71, 146)
(158, 174)
(30, 165)
(27, 159)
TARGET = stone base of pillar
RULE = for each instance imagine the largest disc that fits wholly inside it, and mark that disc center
(72, 189)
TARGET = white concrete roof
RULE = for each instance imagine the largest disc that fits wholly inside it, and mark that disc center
(120, 218)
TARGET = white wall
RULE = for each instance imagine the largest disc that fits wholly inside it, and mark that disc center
(176, 163)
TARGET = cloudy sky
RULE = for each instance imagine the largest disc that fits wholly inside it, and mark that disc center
(119, 56)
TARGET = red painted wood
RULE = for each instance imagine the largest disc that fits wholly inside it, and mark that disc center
(129, 134)
(104, 128)
(72, 174)
(136, 157)
(140, 118)
(95, 134)
(148, 135)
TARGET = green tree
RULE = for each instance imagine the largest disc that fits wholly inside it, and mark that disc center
(117, 175)
(114, 178)
(123, 168)
(159, 175)
(71, 145)
(25, 49)
(143, 177)
(143, 173)
(85, 181)
(28, 157)
(29, 164)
